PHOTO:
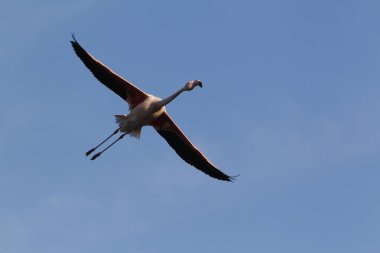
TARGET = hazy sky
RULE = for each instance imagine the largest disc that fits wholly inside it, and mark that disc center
(290, 102)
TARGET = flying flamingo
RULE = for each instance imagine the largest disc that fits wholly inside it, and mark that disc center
(145, 110)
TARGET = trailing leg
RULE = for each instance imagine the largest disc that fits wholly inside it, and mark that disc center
(98, 154)
(93, 149)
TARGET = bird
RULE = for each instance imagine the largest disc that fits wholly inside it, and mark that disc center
(147, 110)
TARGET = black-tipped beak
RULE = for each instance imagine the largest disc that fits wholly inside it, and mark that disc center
(200, 84)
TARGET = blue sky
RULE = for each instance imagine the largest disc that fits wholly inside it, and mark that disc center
(290, 102)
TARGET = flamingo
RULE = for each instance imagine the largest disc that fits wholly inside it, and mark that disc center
(147, 110)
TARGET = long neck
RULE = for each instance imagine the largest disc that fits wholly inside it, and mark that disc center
(167, 100)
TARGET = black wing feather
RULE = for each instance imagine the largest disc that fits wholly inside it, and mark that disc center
(192, 155)
(117, 84)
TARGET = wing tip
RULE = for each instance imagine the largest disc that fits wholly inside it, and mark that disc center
(228, 178)
(74, 39)
(74, 42)
(76, 46)
(232, 178)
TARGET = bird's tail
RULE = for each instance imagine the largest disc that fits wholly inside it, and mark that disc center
(121, 118)
(122, 121)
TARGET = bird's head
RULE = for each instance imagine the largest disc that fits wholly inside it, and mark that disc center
(191, 84)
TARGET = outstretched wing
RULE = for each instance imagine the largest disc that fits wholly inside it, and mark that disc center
(105, 75)
(166, 127)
